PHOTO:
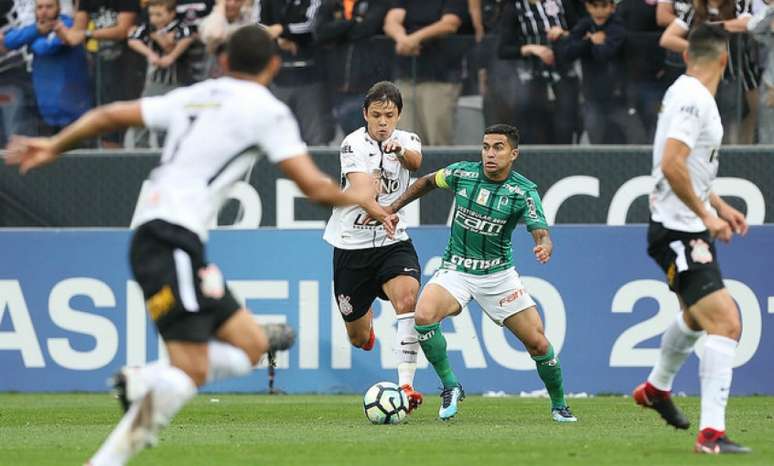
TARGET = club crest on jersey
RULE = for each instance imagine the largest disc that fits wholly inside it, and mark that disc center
(483, 196)
(345, 307)
(502, 202)
(700, 251)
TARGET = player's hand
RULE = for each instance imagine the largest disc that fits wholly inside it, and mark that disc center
(29, 153)
(165, 62)
(545, 54)
(407, 46)
(392, 146)
(542, 252)
(735, 219)
(718, 228)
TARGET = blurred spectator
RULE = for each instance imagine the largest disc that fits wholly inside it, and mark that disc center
(352, 57)
(486, 16)
(225, 18)
(59, 73)
(644, 62)
(543, 91)
(104, 26)
(17, 100)
(191, 13)
(597, 40)
(762, 28)
(741, 70)
(163, 41)
(429, 63)
(300, 83)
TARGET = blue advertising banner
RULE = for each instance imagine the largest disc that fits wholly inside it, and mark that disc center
(70, 315)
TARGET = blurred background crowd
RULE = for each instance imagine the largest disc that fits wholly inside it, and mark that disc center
(563, 71)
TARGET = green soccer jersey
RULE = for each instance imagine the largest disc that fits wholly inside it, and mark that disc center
(485, 214)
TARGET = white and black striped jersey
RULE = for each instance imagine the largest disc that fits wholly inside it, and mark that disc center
(215, 130)
(348, 227)
(689, 114)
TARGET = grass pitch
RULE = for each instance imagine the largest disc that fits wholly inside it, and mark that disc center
(254, 430)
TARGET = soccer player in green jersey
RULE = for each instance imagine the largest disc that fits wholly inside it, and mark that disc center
(490, 199)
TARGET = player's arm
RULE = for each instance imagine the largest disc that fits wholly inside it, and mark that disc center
(31, 153)
(418, 189)
(544, 247)
(665, 13)
(675, 169)
(725, 211)
(363, 182)
(411, 159)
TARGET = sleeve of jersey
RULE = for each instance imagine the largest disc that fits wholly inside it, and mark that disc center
(534, 217)
(281, 138)
(412, 142)
(686, 123)
(444, 178)
(157, 111)
(352, 161)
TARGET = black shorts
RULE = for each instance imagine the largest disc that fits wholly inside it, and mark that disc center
(166, 260)
(358, 274)
(688, 259)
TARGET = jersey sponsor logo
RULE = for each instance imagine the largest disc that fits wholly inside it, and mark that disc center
(364, 222)
(463, 192)
(345, 307)
(425, 336)
(511, 297)
(532, 212)
(700, 251)
(347, 149)
(480, 224)
(691, 110)
(513, 189)
(465, 174)
(389, 186)
(475, 264)
(483, 196)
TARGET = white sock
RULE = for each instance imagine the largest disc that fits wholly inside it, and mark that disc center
(226, 361)
(406, 349)
(715, 371)
(171, 389)
(676, 345)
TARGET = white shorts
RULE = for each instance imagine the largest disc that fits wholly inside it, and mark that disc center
(500, 294)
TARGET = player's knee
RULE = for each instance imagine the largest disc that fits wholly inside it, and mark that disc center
(405, 304)
(360, 339)
(732, 328)
(197, 373)
(258, 346)
(538, 347)
(423, 317)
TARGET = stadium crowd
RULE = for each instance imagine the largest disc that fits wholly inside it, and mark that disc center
(563, 71)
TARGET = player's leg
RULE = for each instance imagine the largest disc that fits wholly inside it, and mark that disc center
(527, 326)
(446, 294)
(355, 288)
(718, 315)
(402, 292)
(171, 388)
(676, 345)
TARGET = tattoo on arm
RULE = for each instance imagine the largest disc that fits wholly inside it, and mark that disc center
(418, 189)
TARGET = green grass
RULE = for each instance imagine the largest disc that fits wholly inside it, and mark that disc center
(47, 429)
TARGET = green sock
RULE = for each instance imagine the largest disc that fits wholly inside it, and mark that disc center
(434, 345)
(550, 372)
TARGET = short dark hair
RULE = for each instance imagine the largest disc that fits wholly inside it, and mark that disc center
(169, 5)
(707, 41)
(249, 49)
(511, 132)
(383, 91)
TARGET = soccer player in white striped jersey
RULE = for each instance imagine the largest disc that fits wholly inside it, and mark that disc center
(681, 236)
(214, 131)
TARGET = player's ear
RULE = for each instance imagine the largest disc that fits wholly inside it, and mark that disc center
(514, 153)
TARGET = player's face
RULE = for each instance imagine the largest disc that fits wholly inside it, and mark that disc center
(381, 119)
(497, 154)
(159, 16)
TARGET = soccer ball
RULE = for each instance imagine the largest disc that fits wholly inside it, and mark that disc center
(385, 403)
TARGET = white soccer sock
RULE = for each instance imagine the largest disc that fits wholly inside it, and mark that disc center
(226, 361)
(715, 371)
(171, 389)
(406, 348)
(676, 345)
